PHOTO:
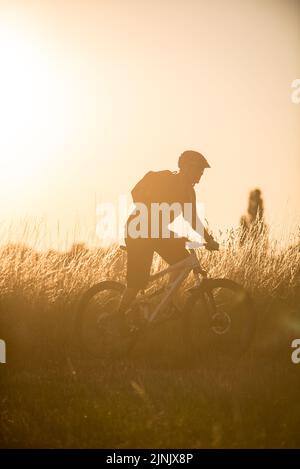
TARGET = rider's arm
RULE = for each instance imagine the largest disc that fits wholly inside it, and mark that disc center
(198, 226)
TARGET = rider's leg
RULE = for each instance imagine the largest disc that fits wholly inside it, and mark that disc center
(173, 275)
(172, 250)
(127, 298)
(139, 260)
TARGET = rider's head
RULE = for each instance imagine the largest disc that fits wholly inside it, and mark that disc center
(192, 165)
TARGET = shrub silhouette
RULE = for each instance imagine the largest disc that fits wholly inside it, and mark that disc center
(252, 224)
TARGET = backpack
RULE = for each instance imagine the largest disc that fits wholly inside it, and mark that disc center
(151, 187)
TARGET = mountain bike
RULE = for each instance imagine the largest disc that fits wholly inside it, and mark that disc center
(218, 313)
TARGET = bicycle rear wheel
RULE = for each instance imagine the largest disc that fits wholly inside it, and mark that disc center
(98, 327)
(219, 318)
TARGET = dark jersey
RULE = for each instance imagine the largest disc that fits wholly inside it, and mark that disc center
(163, 187)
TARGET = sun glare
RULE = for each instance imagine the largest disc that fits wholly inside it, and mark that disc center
(33, 110)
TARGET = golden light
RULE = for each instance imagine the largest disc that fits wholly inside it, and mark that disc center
(34, 109)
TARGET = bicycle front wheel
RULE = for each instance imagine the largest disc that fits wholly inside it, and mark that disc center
(219, 318)
(98, 329)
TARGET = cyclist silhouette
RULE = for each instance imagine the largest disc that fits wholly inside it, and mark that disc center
(162, 187)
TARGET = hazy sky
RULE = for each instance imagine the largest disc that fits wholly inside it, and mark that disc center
(93, 94)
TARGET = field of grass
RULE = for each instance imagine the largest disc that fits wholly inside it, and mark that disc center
(155, 398)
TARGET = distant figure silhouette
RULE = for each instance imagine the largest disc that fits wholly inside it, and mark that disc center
(163, 187)
(252, 223)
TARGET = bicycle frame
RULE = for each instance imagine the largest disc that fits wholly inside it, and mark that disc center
(185, 266)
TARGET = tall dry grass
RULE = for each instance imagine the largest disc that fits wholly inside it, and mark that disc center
(39, 290)
(48, 402)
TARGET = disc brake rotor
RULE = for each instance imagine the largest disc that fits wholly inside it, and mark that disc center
(221, 323)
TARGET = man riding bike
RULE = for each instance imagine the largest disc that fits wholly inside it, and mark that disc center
(162, 187)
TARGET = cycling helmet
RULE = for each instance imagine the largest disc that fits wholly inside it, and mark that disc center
(191, 156)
